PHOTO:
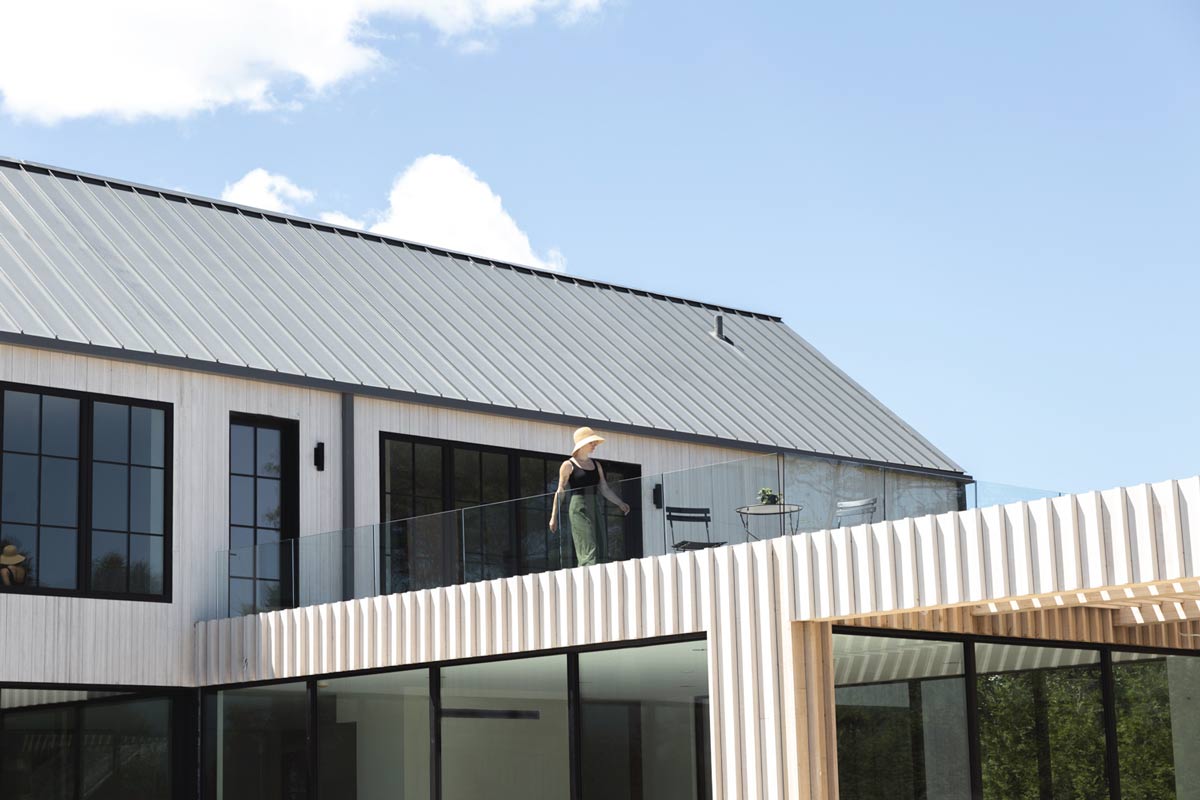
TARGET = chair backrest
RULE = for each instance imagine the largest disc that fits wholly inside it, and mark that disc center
(854, 508)
(681, 514)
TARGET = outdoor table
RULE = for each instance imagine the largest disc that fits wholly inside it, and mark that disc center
(790, 510)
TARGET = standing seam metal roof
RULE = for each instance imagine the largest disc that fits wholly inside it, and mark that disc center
(92, 261)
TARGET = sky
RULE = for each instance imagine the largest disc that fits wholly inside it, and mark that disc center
(986, 214)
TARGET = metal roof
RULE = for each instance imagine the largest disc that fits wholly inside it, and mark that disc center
(107, 266)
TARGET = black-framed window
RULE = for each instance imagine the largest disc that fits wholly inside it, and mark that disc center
(535, 726)
(468, 529)
(263, 513)
(70, 743)
(85, 494)
(1038, 719)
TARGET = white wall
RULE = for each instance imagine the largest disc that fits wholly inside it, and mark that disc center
(77, 640)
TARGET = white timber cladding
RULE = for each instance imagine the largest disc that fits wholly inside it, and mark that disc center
(91, 641)
(87, 641)
(757, 603)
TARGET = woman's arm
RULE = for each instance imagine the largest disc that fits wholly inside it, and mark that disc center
(607, 491)
(564, 473)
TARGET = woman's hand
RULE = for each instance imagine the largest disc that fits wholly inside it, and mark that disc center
(553, 525)
(624, 508)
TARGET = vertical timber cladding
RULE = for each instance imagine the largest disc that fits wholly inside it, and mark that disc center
(762, 714)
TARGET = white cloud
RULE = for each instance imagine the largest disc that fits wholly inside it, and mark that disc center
(262, 189)
(438, 200)
(129, 59)
(342, 220)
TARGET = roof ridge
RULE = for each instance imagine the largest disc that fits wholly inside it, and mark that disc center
(321, 225)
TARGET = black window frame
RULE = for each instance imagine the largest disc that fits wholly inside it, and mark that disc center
(634, 546)
(83, 578)
(206, 729)
(289, 506)
(182, 722)
(970, 674)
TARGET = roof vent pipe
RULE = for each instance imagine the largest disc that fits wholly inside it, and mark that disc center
(720, 331)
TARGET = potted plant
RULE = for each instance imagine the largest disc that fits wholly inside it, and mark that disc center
(768, 497)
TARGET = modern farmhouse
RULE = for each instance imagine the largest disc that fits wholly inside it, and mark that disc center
(294, 511)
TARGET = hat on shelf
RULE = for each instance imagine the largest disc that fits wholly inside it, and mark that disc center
(9, 556)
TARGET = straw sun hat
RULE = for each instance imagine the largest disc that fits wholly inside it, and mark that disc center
(10, 556)
(585, 436)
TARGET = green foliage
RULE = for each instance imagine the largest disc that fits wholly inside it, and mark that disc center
(1144, 730)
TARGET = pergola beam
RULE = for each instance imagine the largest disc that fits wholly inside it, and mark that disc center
(1157, 613)
(1184, 591)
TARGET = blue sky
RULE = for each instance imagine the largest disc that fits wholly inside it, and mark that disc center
(986, 214)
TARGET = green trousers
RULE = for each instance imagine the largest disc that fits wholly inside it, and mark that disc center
(585, 518)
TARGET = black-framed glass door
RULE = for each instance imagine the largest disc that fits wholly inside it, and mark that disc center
(263, 514)
(462, 512)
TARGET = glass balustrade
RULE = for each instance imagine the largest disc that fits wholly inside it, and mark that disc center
(692, 509)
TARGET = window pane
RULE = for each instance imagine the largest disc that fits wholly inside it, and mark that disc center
(60, 426)
(400, 506)
(373, 733)
(241, 596)
(109, 561)
(398, 476)
(148, 435)
(428, 464)
(128, 743)
(21, 421)
(110, 497)
(37, 754)
(901, 718)
(269, 597)
(1041, 722)
(241, 552)
(495, 478)
(270, 513)
(18, 495)
(110, 437)
(263, 742)
(57, 555)
(1157, 731)
(60, 492)
(504, 730)
(146, 500)
(270, 457)
(466, 478)
(146, 564)
(241, 449)
(241, 501)
(644, 717)
(23, 541)
(268, 554)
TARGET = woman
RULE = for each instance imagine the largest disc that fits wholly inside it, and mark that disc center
(583, 476)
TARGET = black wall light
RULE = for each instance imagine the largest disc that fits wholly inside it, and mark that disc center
(657, 495)
(319, 456)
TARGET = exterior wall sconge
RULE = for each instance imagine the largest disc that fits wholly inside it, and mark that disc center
(319, 456)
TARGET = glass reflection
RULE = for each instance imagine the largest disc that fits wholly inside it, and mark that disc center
(644, 722)
(1041, 722)
(22, 417)
(901, 718)
(261, 743)
(504, 730)
(110, 434)
(37, 754)
(1158, 727)
(373, 734)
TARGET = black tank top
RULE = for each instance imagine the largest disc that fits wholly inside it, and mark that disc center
(584, 478)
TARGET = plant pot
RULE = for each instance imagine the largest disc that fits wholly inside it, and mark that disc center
(770, 499)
